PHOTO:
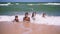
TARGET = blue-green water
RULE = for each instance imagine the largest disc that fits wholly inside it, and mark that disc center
(23, 7)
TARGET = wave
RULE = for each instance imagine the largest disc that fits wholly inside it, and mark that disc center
(49, 20)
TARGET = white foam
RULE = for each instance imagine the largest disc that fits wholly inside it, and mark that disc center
(49, 20)
(7, 4)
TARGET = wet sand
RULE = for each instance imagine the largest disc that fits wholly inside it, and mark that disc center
(27, 28)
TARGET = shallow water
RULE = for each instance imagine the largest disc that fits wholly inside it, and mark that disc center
(7, 13)
(49, 20)
(21, 28)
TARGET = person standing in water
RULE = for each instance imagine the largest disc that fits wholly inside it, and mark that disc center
(26, 18)
(43, 15)
(16, 19)
(33, 15)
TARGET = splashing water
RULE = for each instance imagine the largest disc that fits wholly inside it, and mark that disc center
(49, 20)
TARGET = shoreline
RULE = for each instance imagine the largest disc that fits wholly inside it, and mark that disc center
(11, 22)
(50, 20)
(28, 28)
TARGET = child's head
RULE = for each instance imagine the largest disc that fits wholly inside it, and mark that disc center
(16, 17)
(44, 13)
(33, 14)
(26, 14)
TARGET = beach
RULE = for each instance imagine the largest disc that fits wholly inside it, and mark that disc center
(7, 27)
(50, 24)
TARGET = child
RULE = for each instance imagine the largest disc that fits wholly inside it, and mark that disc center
(33, 15)
(43, 15)
(16, 19)
(26, 18)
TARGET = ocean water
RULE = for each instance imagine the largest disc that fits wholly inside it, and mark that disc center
(9, 9)
(12, 8)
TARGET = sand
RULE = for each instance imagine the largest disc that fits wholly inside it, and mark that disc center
(27, 28)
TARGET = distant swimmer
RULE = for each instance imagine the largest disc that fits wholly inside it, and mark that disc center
(33, 15)
(26, 18)
(44, 14)
(16, 19)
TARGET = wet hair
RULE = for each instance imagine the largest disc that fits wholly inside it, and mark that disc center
(26, 13)
(33, 14)
(43, 14)
(16, 16)
(17, 19)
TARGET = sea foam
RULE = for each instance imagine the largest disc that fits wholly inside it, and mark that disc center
(49, 20)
